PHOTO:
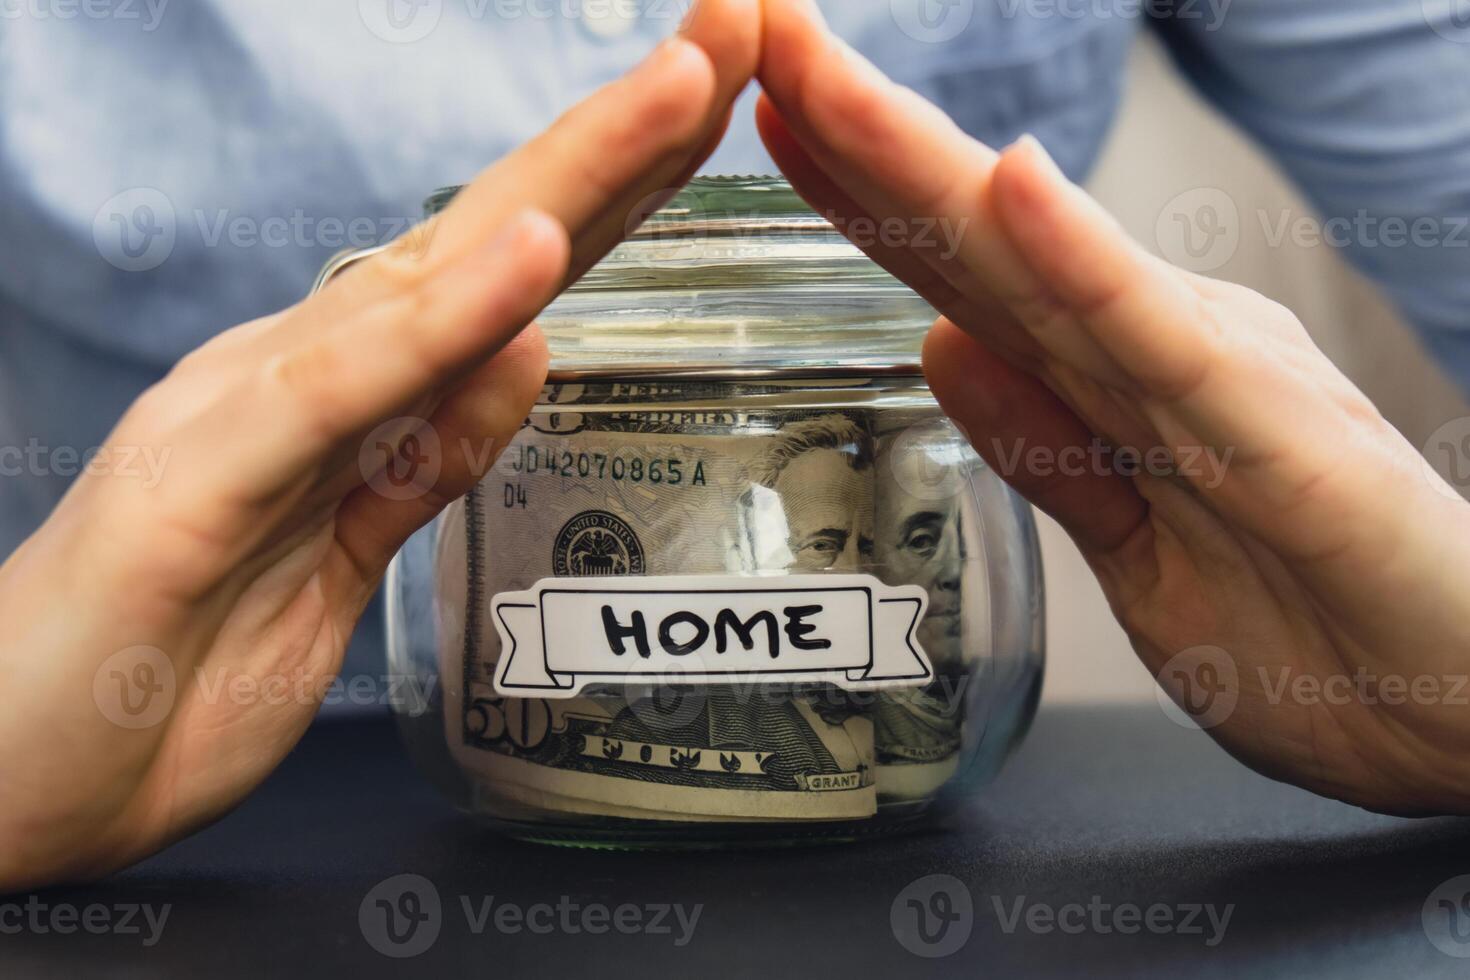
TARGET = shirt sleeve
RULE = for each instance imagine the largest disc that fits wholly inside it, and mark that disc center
(1366, 104)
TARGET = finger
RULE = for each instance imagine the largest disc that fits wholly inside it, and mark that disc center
(285, 429)
(1281, 444)
(589, 171)
(469, 431)
(359, 373)
(1143, 312)
(1033, 440)
(616, 157)
(900, 157)
(830, 201)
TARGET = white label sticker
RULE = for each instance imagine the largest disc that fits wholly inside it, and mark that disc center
(849, 630)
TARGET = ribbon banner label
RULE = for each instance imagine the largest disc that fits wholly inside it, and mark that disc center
(849, 630)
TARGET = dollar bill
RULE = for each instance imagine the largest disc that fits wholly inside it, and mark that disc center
(611, 480)
(926, 529)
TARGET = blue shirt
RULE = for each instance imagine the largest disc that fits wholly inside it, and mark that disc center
(170, 169)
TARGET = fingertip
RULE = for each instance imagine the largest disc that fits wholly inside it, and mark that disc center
(960, 370)
(540, 244)
(1045, 213)
(1027, 183)
(529, 353)
(671, 92)
(789, 29)
(729, 32)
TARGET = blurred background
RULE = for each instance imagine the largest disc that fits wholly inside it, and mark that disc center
(1168, 158)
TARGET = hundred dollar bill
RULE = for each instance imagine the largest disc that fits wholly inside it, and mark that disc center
(926, 527)
(606, 485)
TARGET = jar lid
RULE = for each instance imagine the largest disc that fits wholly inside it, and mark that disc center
(736, 277)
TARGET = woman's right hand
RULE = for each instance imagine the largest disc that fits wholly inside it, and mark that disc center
(253, 557)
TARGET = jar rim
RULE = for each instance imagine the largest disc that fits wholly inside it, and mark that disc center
(734, 278)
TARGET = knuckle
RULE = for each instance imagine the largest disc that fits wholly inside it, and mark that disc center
(301, 378)
(402, 266)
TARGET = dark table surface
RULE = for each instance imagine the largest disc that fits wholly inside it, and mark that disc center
(1086, 857)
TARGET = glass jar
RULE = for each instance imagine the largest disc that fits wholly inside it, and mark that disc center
(737, 580)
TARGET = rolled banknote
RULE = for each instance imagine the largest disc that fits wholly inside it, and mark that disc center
(616, 480)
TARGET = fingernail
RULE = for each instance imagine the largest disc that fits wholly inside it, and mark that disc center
(1031, 146)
